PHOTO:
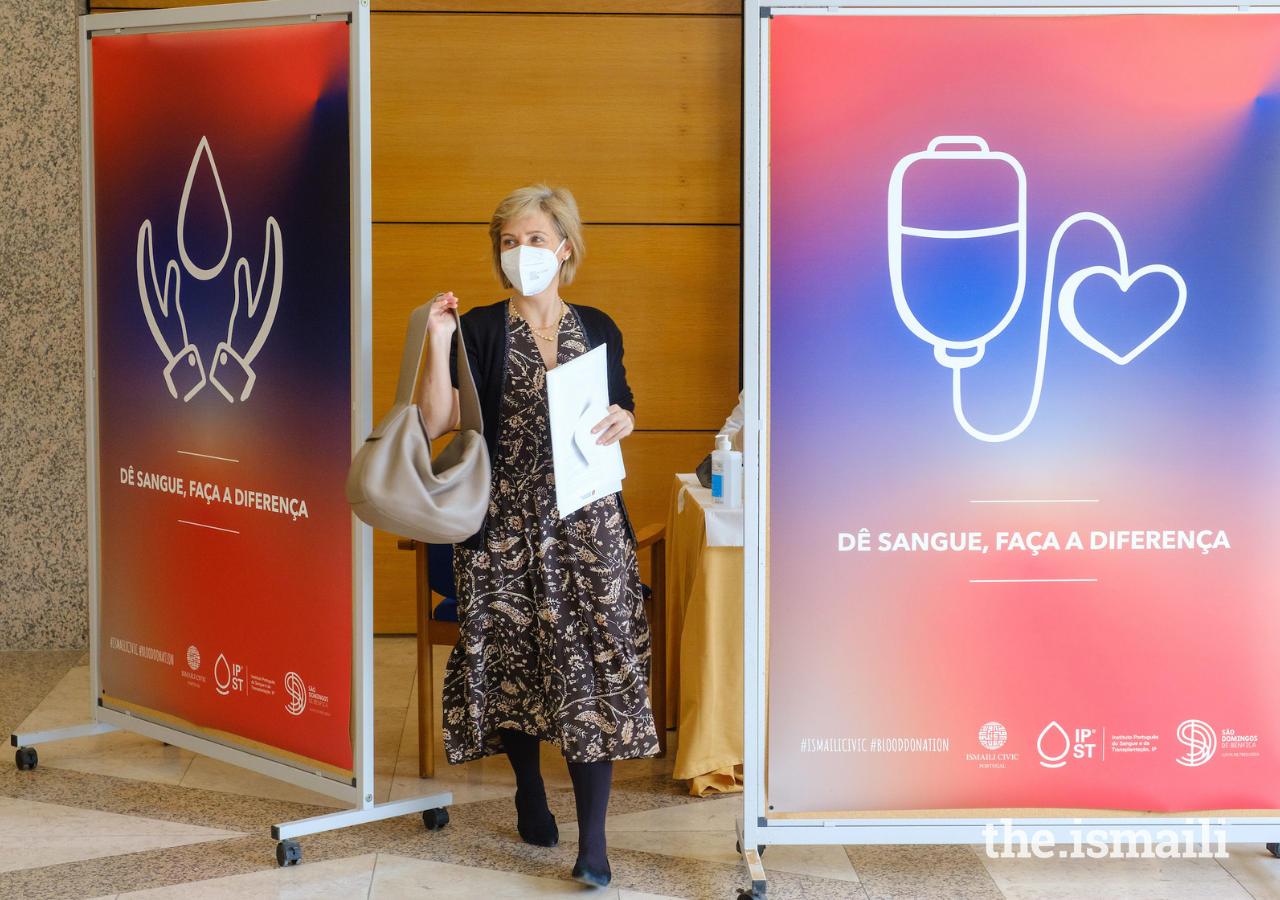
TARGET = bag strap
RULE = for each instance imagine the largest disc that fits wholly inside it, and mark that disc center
(415, 341)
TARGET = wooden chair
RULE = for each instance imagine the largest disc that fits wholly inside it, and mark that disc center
(432, 631)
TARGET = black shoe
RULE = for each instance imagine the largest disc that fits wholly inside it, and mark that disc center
(585, 874)
(544, 833)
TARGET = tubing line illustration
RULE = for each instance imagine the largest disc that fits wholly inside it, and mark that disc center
(1123, 278)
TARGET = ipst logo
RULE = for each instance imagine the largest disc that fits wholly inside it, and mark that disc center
(226, 676)
(297, 694)
(1200, 741)
(1048, 740)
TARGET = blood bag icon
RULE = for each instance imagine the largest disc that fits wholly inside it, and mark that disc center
(970, 336)
(965, 301)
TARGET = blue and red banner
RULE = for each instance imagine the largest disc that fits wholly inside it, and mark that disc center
(222, 226)
(1024, 484)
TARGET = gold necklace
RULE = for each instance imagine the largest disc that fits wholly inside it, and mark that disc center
(564, 309)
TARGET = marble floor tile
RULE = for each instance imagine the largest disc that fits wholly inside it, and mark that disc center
(1255, 868)
(908, 886)
(215, 775)
(335, 879)
(71, 692)
(35, 835)
(113, 745)
(719, 814)
(28, 676)
(918, 859)
(399, 878)
(382, 877)
(464, 790)
(158, 769)
(388, 730)
(705, 830)
(393, 686)
(1112, 879)
(395, 668)
(398, 649)
(718, 846)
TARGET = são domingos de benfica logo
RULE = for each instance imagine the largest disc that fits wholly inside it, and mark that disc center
(297, 690)
(230, 371)
(1200, 741)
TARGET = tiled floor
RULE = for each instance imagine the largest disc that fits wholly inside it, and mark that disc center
(120, 816)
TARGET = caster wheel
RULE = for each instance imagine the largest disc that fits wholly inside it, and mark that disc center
(1274, 848)
(760, 848)
(435, 819)
(26, 758)
(288, 853)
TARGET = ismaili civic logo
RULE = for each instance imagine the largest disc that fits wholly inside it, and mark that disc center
(992, 735)
(297, 690)
(193, 658)
(1200, 741)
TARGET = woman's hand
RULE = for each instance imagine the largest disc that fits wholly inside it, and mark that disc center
(440, 324)
(615, 426)
(436, 396)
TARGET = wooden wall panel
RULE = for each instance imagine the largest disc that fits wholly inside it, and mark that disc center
(651, 457)
(639, 114)
(673, 290)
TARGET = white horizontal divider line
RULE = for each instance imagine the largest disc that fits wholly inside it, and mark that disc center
(202, 525)
(208, 456)
(1023, 580)
(1033, 501)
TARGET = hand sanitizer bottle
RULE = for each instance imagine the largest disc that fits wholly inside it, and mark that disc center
(726, 474)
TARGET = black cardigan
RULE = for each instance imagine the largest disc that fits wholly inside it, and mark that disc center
(485, 331)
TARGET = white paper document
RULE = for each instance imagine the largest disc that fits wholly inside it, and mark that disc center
(577, 399)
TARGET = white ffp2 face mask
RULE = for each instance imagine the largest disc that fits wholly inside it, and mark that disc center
(530, 269)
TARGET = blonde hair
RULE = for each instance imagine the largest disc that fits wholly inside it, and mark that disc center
(560, 208)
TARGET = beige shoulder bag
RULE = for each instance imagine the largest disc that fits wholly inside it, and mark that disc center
(396, 486)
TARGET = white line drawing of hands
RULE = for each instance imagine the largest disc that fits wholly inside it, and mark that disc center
(272, 256)
(172, 279)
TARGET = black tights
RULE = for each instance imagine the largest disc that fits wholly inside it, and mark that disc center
(591, 785)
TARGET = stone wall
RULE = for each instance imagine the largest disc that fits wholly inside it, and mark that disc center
(43, 524)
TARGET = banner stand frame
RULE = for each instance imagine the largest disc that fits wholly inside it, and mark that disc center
(358, 791)
(756, 829)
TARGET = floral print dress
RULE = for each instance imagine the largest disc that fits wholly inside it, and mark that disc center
(554, 637)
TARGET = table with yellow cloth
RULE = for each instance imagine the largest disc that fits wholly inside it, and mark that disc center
(704, 641)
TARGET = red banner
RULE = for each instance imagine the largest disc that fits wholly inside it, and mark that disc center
(1023, 483)
(223, 313)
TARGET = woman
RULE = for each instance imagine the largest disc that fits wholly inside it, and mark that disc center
(554, 640)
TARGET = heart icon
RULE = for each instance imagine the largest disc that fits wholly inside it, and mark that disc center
(1125, 280)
